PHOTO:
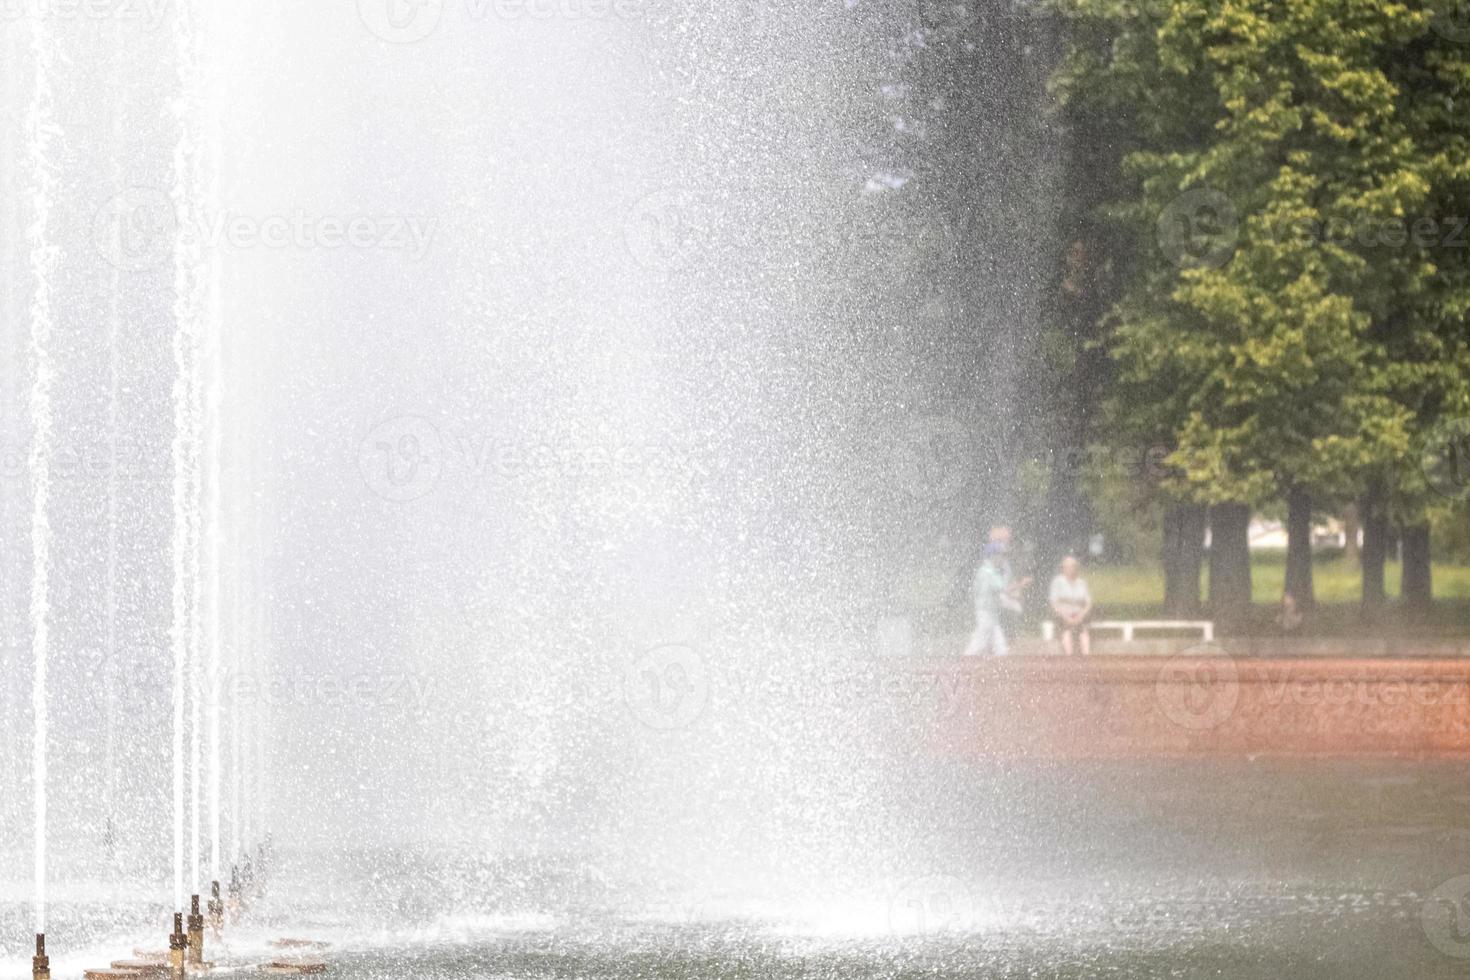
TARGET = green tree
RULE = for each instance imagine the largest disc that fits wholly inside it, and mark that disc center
(1424, 294)
(1265, 335)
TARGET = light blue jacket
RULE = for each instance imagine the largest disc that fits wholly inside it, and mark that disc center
(990, 591)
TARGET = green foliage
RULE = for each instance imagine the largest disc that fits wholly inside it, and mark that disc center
(1139, 589)
(1284, 326)
(1128, 515)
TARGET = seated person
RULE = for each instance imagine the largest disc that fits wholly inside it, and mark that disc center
(1071, 606)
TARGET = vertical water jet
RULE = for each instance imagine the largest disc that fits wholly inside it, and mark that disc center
(114, 418)
(184, 628)
(213, 423)
(41, 129)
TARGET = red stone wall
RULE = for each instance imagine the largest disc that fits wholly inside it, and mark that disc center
(1198, 706)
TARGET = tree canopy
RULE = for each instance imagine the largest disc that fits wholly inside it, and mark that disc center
(1291, 179)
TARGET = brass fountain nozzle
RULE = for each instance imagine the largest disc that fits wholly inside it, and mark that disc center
(196, 933)
(237, 899)
(262, 867)
(41, 963)
(178, 948)
(216, 909)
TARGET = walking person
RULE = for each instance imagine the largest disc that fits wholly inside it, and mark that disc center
(993, 592)
(1071, 606)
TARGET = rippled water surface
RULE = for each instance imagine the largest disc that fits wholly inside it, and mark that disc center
(1274, 870)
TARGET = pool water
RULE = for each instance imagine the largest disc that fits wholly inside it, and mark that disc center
(1271, 870)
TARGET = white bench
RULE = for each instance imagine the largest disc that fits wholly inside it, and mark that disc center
(1128, 628)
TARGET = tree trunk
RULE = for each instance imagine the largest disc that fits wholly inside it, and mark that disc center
(1184, 549)
(1417, 589)
(1230, 562)
(1066, 530)
(1350, 532)
(1299, 548)
(1373, 513)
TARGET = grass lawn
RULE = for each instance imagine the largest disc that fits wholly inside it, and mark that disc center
(1336, 580)
(1137, 591)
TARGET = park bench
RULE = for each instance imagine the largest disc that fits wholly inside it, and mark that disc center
(1130, 627)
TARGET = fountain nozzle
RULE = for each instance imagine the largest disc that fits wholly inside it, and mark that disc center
(237, 899)
(41, 963)
(216, 910)
(196, 933)
(178, 946)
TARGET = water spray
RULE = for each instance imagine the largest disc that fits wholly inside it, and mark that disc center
(216, 910)
(40, 129)
(181, 633)
(114, 420)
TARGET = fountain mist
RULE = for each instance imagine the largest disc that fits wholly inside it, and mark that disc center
(620, 657)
